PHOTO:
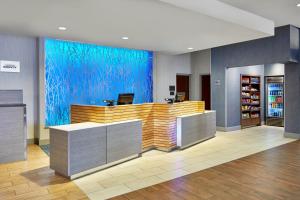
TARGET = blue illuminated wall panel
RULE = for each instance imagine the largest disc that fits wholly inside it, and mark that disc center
(78, 73)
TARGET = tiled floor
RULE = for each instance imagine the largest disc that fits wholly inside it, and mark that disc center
(156, 167)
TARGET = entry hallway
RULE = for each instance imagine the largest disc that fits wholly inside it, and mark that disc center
(260, 174)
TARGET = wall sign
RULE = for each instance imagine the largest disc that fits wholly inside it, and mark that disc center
(9, 66)
(217, 82)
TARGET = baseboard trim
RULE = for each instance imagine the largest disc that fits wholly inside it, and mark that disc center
(31, 141)
(228, 129)
(44, 142)
(292, 135)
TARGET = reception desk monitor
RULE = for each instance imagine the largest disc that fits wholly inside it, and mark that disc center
(125, 99)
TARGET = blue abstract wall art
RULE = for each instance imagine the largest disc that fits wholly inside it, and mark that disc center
(78, 73)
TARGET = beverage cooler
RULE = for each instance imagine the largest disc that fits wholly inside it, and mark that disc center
(274, 100)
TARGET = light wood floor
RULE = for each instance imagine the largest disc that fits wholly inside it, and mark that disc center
(32, 179)
(270, 175)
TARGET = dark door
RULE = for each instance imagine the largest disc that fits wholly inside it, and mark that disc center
(183, 85)
(205, 86)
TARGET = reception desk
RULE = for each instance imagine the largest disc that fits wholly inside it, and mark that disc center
(195, 128)
(159, 120)
(80, 149)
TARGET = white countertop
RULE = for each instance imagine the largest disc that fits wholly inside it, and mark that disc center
(79, 126)
(189, 115)
(87, 125)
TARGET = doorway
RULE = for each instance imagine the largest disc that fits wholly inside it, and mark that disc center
(205, 90)
(183, 85)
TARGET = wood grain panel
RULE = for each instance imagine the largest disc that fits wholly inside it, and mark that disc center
(158, 119)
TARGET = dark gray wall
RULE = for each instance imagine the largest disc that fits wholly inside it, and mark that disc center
(292, 97)
(23, 49)
(280, 48)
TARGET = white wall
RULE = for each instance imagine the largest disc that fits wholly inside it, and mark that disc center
(200, 64)
(166, 67)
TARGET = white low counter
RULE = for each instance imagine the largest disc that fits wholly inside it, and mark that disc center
(195, 128)
(83, 148)
(73, 127)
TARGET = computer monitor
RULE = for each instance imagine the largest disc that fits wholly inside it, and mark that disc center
(126, 98)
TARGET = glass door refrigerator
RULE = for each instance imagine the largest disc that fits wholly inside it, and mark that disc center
(274, 100)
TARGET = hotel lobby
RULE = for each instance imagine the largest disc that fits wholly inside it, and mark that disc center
(149, 99)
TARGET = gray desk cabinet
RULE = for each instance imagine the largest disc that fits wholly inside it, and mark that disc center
(77, 148)
(123, 140)
(88, 149)
(12, 133)
(192, 129)
(80, 149)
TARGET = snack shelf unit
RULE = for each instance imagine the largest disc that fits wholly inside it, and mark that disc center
(250, 101)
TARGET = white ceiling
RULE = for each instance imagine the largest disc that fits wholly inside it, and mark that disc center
(159, 25)
(282, 12)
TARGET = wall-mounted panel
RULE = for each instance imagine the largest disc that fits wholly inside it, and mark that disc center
(78, 73)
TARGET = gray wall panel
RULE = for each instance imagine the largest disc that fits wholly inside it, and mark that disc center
(292, 98)
(11, 96)
(196, 128)
(87, 149)
(23, 49)
(75, 150)
(59, 158)
(123, 140)
(12, 136)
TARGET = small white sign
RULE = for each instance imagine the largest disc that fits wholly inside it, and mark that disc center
(9, 66)
(218, 82)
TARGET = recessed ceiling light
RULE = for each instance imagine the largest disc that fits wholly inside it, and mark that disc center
(62, 28)
(125, 38)
(190, 48)
(298, 5)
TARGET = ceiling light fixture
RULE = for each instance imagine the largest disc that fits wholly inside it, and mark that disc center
(190, 48)
(62, 28)
(298, 5)
(125, 38)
